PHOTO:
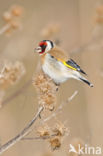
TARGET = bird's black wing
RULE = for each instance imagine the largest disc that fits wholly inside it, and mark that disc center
(75, 65)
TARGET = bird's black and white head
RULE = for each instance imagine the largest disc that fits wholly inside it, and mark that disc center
(44, 46)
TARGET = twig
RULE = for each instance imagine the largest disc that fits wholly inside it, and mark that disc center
(60, 107)
(28, 129)
(73, 95)
(39, 137)
(4, 28)
(23, 133)
(51, 116)
(54, 114)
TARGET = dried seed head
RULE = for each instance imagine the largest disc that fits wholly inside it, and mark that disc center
(99, 16)
(7, 16)
(46, 90)
(15, 25)
(43, 132)
(55, 143)
(48, 99)
(99, 20)
(12, 22)
(16, 10)
(40, 79)
(10, 74)
(99, 10)
(60, 130)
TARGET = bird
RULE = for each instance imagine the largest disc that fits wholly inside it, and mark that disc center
(56, 64)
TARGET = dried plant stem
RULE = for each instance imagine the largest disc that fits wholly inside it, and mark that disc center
(72, 96)
(5, 28)
(60, 107)
(39, 137)
(23, 133)
(51, 116)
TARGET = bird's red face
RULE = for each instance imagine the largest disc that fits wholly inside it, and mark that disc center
(44, 46)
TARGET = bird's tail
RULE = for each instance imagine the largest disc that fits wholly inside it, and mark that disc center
(78, 76)
(86, 81)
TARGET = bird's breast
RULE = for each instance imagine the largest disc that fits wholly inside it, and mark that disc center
(54, 69)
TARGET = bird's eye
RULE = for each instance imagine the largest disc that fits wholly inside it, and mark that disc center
(52, 56)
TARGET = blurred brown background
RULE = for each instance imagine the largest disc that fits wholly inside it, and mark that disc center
(78, 24)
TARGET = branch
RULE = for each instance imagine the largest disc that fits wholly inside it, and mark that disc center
(23, 133)
(39, 137)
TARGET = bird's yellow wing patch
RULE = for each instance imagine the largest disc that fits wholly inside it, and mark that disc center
(67, 65)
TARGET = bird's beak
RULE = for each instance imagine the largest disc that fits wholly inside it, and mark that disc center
(38, 49)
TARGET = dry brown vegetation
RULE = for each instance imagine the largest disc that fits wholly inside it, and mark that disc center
(35, 116)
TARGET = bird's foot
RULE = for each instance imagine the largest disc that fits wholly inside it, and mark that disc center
(57, 86)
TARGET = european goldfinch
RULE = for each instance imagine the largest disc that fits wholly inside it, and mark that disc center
(56, 65)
